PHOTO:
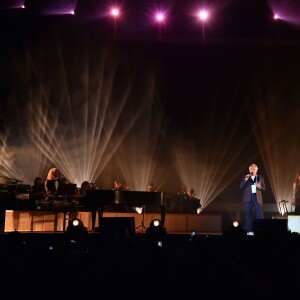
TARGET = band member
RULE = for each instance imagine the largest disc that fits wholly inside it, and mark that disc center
(252, 184)
(52, 182)
(118, 186)
(151, 187)
(37, 190)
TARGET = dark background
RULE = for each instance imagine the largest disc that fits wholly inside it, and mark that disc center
(221, 99)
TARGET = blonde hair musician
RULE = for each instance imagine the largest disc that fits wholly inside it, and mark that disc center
(52, 181)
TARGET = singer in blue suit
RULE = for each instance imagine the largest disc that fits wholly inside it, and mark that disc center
(252, 184)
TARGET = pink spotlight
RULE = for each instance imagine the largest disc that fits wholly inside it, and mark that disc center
(115, 12)
(276, 17)
(160, 17)
(203, 15)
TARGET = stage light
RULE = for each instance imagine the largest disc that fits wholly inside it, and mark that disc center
(160, 17)
(235, 230)
(236, 224)
(76, 241)
(156, 231)
(115, 12)
(77, 222)
(139, 210)
(203, 15)
(76, 230)
(155, 223)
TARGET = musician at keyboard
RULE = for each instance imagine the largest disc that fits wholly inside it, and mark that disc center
(118, 186)
(37, 190)
(123, 207)
(52, 182)
(85, 185)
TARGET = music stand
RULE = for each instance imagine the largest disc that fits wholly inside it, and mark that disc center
(65, 190)
(142, 226)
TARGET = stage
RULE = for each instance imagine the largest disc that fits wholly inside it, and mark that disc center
(49, 221)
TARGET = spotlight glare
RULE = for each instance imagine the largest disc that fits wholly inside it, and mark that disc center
(115, 12)
(156, 223)
(203, 15)
(160, 17)
(76, 231)
(75, 222)
(236, 224)
(156, 231)
(139, 210)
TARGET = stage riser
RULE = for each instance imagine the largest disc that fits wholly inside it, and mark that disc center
(42, 221)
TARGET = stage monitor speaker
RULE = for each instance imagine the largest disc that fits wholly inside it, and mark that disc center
(117, 226)
(270, 226)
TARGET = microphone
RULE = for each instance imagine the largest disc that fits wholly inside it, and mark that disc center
(251, 173)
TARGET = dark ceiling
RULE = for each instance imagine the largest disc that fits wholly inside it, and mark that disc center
(230, 19)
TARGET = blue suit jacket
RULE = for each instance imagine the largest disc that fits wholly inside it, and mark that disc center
(246, 186)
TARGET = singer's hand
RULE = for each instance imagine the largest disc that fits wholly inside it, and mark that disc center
(258, 185)
(247, 177)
